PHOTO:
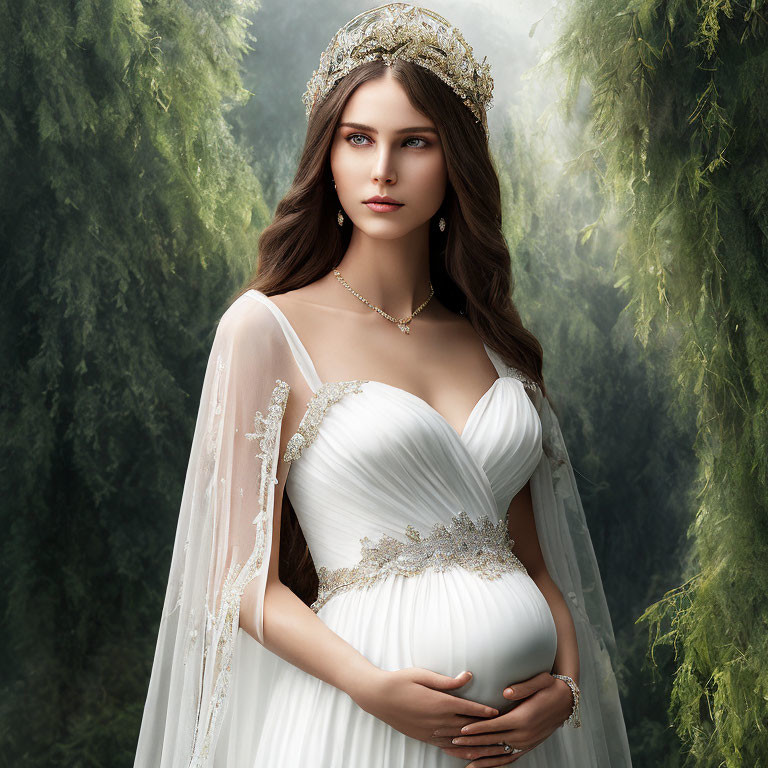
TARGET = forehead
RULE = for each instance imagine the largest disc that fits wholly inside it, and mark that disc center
(384, 104)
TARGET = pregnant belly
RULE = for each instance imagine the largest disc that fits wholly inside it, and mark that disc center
(501, 629)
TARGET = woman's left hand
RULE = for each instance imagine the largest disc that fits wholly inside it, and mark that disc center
(546, 703)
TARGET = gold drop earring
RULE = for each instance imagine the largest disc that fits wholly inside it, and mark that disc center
(339, 215)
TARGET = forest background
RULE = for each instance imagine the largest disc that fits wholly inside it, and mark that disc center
(144, 146)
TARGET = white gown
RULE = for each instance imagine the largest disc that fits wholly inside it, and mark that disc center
(405, 520)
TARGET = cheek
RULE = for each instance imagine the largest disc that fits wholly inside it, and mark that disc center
(351, 177)
(343, 164)
(339, 167)
(430, 173)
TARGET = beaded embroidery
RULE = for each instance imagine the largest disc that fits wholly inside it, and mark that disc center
(528, 382)
(480, 546)
(328, 394)
(556, 457)
(226, 623)
(214, 410)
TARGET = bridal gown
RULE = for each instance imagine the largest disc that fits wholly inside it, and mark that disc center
(405, 519)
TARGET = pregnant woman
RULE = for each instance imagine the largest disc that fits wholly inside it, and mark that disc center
(380, 532)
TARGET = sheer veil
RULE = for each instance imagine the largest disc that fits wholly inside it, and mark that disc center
(211, 681)
(570, 558)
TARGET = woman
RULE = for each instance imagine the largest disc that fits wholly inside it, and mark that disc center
(373, 441)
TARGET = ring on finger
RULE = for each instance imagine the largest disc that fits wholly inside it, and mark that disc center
(508, 748)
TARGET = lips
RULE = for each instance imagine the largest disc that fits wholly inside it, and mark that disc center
(384, 207)
(385, 200)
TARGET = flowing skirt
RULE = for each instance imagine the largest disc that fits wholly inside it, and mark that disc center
(447, 621)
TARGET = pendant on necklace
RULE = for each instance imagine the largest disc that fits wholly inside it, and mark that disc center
(404, 328)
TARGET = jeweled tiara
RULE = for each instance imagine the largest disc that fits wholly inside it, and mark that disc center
(410, 33)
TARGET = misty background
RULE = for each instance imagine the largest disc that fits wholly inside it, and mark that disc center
(144, 147)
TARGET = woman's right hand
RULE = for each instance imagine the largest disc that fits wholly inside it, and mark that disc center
(412, 702)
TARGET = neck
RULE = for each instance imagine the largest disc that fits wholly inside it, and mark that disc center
(392, 274)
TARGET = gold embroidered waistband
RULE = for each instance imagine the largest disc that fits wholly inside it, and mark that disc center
(480, 546)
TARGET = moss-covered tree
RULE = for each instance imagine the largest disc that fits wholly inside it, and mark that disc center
(679, 112)
(127, 217)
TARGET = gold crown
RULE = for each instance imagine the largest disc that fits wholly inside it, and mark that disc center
(410, 33)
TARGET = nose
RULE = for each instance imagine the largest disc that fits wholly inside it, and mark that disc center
(383, 169)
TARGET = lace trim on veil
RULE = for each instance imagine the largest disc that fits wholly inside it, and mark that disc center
(223, 629)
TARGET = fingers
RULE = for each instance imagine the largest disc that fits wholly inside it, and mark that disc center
(475, 709)
(436, 680)
(493, 761)
(507, 758)
(453, 728)
(528, 687)
(485, 757)
(490, 725)
(442, 682)
(483, 739)
(489, 762)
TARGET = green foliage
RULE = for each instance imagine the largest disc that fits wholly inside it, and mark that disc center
(273, 123)
(605, 387)
(679, 108)
(128, 215)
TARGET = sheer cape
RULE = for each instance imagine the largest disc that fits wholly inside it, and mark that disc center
(198, 696)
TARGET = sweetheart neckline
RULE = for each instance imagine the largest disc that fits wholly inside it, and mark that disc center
(431, 408)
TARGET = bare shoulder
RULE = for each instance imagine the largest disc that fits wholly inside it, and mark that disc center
(307, 298)
(313, 313)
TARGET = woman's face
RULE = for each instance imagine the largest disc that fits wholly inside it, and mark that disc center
(391, 150)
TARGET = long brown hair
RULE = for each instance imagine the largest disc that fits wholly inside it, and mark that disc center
(470, 266)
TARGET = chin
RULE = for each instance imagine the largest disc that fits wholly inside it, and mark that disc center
(385, 232)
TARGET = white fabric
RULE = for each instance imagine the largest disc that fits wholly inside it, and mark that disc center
(382, 459)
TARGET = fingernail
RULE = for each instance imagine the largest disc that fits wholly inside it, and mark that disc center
(465, 729)
(457, 740)
(510, 691)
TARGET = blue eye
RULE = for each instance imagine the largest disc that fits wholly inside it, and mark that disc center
(424, 142)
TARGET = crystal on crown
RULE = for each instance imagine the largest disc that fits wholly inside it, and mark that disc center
(407, 32)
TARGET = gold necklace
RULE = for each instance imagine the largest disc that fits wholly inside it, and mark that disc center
(402, 323)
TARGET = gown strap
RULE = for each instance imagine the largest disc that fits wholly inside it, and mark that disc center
(300, 354)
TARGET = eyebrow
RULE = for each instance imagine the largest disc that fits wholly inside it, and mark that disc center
(417, 129)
